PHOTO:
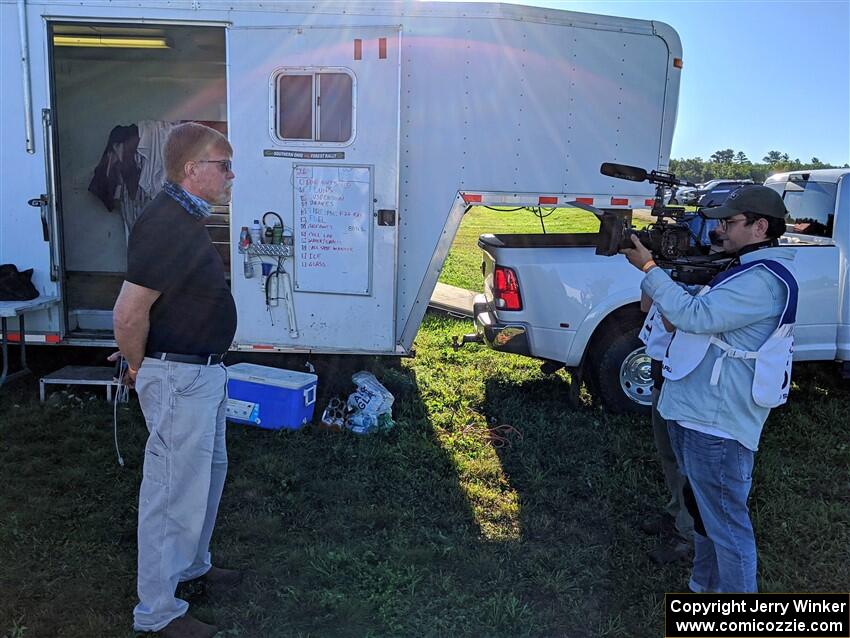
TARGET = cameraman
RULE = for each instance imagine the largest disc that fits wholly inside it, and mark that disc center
(675, 525)
(727, 365)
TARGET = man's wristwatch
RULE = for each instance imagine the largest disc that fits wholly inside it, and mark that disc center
(649, 265)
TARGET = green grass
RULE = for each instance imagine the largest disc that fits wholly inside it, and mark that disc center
(463, 265)
(427, 531)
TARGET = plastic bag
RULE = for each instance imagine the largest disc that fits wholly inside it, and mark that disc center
(370, 406)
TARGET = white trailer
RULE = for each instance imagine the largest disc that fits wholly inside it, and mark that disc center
(369, 128)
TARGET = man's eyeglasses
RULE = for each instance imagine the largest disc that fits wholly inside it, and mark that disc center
(225, 165)
(725, 223)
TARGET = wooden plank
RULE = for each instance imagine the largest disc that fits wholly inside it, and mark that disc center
(452, 299)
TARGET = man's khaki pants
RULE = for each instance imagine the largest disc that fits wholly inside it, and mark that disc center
(183, 477)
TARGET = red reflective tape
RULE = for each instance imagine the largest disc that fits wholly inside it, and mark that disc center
(547, 200)
(52, 338)
(358, 49)
(262, 347)
(619, 201)
(14, 336)
(382, 48)
(471, 198)
(649, 202)
(585, 200)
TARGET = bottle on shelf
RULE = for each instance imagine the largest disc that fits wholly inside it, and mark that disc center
(256, 232)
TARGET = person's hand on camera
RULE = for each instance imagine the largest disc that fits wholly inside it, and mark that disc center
(129, 376)
(639, 256)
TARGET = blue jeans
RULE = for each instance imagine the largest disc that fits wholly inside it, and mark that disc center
(720, 472)
(182, 481)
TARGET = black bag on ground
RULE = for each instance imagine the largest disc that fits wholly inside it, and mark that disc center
(16, 285)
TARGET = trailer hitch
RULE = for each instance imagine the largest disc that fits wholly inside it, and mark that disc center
(459, 342)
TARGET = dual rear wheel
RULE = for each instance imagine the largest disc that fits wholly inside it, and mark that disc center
(619, 372)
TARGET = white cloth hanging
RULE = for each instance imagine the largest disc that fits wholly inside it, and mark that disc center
(152, 135)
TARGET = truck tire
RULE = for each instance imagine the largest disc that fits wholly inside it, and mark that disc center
(620, 367)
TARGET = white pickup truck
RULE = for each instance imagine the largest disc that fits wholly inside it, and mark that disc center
(551, 297)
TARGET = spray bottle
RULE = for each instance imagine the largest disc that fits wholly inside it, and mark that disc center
(256, 232)
(244, 242)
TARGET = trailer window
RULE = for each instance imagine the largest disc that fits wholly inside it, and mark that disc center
(315, 106)
(295, 107)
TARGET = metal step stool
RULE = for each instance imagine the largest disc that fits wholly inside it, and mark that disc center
(80, 375)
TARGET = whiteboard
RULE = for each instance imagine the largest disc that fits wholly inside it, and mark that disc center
(333, 222)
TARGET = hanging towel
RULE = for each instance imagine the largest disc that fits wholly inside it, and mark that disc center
(152, 135)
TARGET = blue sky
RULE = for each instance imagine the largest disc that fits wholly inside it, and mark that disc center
(758, 75)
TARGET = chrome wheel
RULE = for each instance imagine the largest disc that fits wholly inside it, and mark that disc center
(636, 376)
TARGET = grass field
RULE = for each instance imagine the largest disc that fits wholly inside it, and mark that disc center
(463, 265)
(430, 530)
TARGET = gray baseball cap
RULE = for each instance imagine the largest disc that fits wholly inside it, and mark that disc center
(749, 199)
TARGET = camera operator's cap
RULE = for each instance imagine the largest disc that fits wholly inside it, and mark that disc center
(749, 199)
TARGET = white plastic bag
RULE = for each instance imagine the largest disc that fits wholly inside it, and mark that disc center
(370, 406)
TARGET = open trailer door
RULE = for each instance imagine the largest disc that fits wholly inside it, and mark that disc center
(314, 116)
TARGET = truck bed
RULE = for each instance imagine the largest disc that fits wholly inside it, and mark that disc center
(549, 240)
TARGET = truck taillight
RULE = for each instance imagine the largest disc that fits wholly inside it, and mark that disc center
(506, 289)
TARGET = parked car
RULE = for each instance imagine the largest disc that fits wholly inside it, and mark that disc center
(718, 194)
(552, 297)
(691, 198)
(681, 194)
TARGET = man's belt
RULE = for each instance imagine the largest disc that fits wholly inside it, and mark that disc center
(199, 359)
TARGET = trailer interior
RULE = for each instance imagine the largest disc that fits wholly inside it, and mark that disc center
(116, 89)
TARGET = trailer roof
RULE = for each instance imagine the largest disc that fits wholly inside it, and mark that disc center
(399, 9)
(207, 10)
(817, 174)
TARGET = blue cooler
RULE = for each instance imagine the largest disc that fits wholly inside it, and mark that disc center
(270, 398)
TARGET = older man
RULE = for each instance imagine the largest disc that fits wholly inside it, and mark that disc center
(174, 320)
(727, 366)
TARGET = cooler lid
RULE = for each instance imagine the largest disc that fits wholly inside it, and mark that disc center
(253, 373)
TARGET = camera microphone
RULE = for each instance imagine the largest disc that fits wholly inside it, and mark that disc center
(623, 171)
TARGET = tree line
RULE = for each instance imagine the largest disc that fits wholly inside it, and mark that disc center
(729, 164)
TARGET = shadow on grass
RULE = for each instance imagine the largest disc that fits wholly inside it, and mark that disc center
(585, 479)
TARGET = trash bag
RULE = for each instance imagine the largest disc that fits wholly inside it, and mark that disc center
(370, 406)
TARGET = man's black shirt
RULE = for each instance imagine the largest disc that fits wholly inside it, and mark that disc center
(170, 251)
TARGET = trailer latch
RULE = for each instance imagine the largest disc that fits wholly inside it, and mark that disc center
(42, 202)
(386, 217)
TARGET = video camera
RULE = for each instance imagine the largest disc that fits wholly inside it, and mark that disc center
(671, 239)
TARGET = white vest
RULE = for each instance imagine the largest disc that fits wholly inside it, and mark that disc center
(772, 378)
(654, 335)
